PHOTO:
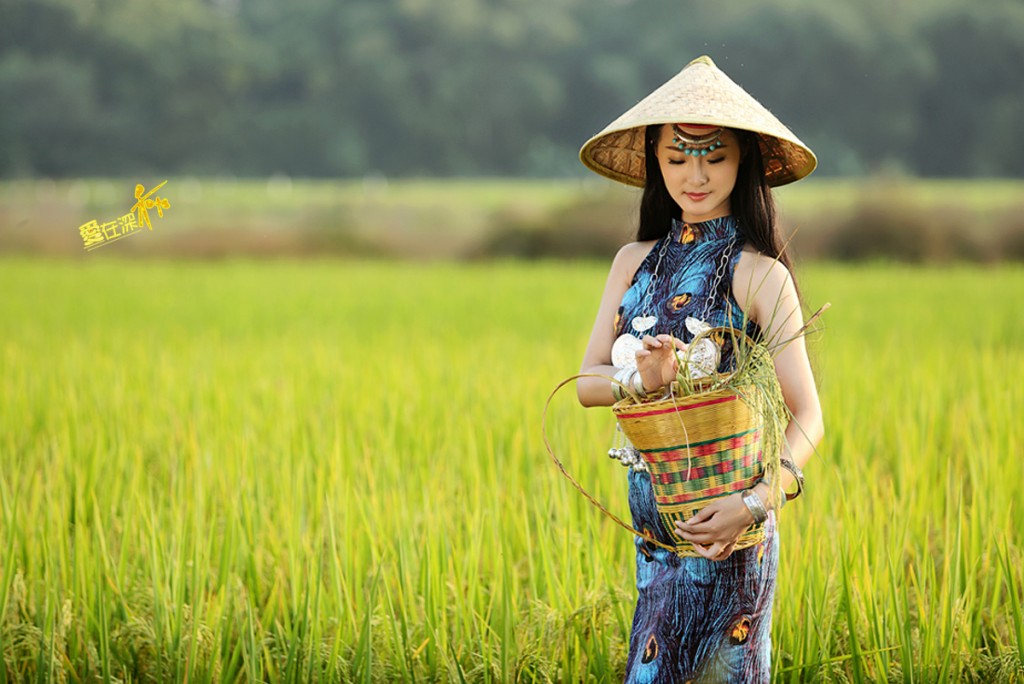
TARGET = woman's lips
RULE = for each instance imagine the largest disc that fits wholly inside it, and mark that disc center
(697, 196)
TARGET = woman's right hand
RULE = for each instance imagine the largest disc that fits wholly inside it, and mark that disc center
(657, 361)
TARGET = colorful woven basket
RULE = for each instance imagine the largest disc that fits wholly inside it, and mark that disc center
(705, 440)
(697, 448)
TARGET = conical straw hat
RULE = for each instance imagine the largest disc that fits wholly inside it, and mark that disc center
(699, 94)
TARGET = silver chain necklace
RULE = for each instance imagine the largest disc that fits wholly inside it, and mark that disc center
(646, 321)
(719, 274)
(626, 345)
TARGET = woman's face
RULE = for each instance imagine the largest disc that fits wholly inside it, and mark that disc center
(700, 185)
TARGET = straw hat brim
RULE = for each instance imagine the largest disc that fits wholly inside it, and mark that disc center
(699, 94)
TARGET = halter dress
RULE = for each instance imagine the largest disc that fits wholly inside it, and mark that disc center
(695, 619)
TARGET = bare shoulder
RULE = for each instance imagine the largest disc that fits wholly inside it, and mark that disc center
(760, 283)
(630, 256)
(627, 260)
(755, 263)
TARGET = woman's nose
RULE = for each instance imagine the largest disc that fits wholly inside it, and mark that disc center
(697, 171)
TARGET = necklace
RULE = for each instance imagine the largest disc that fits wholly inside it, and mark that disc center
(704, 357)
(646, 321)
(627, 344)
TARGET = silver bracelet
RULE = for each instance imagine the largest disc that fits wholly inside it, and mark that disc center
(628, 380)
(798, 475)
(617, 390)
(754, 505)
(637, 382)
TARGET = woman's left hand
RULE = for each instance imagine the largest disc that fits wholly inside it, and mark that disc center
(714, 529)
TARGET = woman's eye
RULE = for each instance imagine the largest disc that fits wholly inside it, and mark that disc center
(709, 161)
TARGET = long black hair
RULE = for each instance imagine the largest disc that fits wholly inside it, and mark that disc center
(751, 199)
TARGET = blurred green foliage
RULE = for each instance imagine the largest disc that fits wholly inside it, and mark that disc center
(318, 88)
(935, 221)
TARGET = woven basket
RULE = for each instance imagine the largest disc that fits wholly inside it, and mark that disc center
(697, 448)
(702, 442)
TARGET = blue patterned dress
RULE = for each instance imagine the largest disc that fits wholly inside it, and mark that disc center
(695, 619)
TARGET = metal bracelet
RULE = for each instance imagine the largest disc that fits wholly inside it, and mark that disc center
(617, 390)
(637, 382)
(755, 505)
(624, 377)
(797, 474)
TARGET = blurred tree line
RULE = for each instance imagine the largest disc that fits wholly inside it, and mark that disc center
(466, 87)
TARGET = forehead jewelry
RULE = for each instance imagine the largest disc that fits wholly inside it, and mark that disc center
(697, 145)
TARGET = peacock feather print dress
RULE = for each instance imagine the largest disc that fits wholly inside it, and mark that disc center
(696, 620)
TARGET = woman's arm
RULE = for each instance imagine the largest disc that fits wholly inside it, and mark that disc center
(776, 309)
(598, 356)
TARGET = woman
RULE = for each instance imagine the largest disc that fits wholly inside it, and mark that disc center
(706, 154)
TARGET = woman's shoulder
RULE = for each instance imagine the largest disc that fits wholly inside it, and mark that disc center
(758, 281)
(630, 256)
(760, 264)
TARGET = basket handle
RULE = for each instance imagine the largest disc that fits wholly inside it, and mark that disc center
(543, 428)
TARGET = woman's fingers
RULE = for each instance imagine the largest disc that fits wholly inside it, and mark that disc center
(726, 551)
(700, 537)
(710, 552)
(659, 340)
(714, 550)
(704, 533)
(703, 515)
(658, 355)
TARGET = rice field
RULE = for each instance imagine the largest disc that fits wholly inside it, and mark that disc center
(326, 471)
(450, 219)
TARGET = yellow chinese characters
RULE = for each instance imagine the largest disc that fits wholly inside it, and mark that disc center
(144, 204)
(95, 233)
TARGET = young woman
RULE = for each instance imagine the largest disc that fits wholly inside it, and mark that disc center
(708, 248)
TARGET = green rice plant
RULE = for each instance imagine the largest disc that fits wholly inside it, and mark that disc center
(1014, 586)
(233, 472)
